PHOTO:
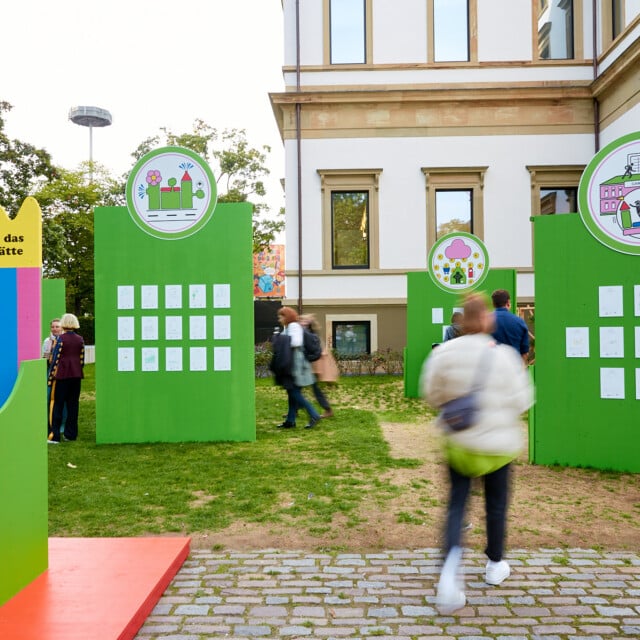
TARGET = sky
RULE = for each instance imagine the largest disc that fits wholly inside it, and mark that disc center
(151, 65)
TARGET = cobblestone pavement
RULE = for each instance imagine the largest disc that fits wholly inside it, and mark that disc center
(551, 594)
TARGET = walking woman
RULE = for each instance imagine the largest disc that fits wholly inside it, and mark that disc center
(65, 375)
(301, 373)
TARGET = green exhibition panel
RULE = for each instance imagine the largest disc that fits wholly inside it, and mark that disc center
(587, 368)
(23, 481)
(53, 302)
(174, 328)
(429, 310)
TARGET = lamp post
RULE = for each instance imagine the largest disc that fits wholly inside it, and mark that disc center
(90, 117)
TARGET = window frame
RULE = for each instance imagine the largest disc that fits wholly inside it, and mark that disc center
(472, 34)
(455, 179)
(608, 22)
(550, 177)
(578, 36)
(368, 36)
(350, 180)
(342, 267)
(349, 318)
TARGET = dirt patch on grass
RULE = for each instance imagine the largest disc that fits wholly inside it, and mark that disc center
(551, 507)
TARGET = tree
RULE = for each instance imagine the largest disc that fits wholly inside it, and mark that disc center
(239, 170)
(67, 204)
(22, 168)
(453, 225)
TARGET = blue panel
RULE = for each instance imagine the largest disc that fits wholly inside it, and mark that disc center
(9, 341)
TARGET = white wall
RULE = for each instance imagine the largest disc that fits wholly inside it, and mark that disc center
(504, 30)
(627, 123)
(311, 32)
(399, 36)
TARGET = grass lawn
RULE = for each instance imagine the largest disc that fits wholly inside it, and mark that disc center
(372, 477)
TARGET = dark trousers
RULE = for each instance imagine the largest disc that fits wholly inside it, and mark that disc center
(65, 394)
(496, 495)
(320, 397)
(297, 400)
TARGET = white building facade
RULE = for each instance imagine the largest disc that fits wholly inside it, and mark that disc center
(403, 120)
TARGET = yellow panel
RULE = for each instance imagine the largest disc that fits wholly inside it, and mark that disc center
(21, 238)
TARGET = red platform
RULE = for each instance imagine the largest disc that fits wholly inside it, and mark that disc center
(95, 588)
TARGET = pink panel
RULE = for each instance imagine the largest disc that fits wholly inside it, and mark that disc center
(29, 289)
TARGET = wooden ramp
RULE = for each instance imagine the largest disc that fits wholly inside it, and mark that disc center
(98, 588)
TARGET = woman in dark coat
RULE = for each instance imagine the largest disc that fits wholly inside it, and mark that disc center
(65, 375)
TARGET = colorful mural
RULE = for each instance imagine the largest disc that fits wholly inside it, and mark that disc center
(268, 272)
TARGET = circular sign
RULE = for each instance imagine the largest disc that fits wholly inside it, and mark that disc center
(609, 195)
(458, 262)
(171, 193)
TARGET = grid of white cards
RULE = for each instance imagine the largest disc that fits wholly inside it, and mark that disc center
(174, 317)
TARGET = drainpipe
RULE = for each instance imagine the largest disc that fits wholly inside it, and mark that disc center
(596, 104)
(299, 156)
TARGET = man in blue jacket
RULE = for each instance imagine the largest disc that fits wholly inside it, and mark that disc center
(510, 329)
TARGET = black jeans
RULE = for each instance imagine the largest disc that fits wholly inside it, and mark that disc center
(496, 495)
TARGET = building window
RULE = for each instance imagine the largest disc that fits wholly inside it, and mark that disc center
(350, 218)
(351, 338)
(348, 42)
(450, 30)
(350, 229)
(554, 189)
(617, 18)
(555, 30)
(454, 211)
(558, 200)
(454, 201)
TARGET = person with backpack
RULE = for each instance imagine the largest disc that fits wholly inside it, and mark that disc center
(322, 362)
(299, 374)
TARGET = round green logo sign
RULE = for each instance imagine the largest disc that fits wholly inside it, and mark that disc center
(171, 193)
(609, 195)
(458, 262)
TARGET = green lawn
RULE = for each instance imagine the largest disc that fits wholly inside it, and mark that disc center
(299, 477)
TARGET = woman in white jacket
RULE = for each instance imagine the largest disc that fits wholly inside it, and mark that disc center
(487, 446)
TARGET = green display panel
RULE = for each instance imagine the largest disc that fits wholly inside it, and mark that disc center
(174, 330)
(23, 481)
(587, 369)
(53, 302)
(429, 310)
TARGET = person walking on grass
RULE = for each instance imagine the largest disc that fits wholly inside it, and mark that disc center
(300, 374)
(483, 449)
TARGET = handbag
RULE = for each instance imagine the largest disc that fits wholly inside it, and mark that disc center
(462, 412)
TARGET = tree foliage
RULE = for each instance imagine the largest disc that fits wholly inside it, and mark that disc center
(22, 168)
(239, 170)
(453, 225)
(67, 204)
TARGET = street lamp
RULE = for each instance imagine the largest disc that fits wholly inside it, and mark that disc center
(90, 117)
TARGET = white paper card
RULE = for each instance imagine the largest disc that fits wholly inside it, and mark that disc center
(198, 358)
(173, 296)
(222, 327)
(458, 310)
(125, 297)
(611, 342)
(610, 302)
(637, 384)
(577, 342)
(125, 328)
(198, 327)
(222, 358)
(173, 357)
(126, 360)
(637, 332)
(149, 296)
(221, 296)
(612, 383)
(636, 300)
(149, 327)
(173, 327)
(437, 315)
(150, 359)
(197, 296)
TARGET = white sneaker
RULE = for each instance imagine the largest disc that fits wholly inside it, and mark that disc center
(450, 595)
(497, 572)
